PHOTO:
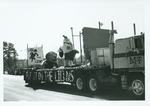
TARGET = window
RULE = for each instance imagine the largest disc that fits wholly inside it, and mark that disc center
(138, 43)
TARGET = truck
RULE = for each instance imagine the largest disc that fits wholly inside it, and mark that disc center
(112, 64)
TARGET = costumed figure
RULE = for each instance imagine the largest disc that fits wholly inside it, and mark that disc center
(50, 62)
(67, 51)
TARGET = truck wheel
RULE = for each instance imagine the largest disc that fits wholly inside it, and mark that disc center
(79, 83)
(93, 84)
(136, 88)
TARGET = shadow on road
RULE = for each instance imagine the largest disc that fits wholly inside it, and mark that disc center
(106, 94)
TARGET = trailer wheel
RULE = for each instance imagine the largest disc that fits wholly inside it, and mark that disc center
(79, 83)
(136, 88)
(93, 84)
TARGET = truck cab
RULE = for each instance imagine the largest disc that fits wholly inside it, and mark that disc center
(129, 53)
(129, 63)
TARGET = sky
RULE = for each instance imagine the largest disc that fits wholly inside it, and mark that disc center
(43, 22)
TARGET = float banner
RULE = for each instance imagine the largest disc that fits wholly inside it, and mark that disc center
(35, 56)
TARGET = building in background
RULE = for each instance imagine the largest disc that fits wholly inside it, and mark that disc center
(21, 63)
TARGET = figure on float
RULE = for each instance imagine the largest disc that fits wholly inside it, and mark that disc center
(67, 51)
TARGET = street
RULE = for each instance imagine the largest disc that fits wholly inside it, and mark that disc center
(15, 89)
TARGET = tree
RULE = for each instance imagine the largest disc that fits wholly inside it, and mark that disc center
(9, 56)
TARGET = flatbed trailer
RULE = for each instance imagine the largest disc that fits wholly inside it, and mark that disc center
(120, 64)
(84, 79)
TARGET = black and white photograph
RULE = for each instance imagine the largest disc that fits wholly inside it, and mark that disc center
(78, 52)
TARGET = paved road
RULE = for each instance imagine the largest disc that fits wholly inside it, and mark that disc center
(15, 89)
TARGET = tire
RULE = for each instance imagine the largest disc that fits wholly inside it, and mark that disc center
(80, 84)
(93, 84)
(136, 88)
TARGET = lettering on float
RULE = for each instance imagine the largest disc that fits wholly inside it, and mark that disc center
(52, 75)
(57, 75)
(28, 75)
(40, 75)
(34, 75)
(64, 76)
(46, 75)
